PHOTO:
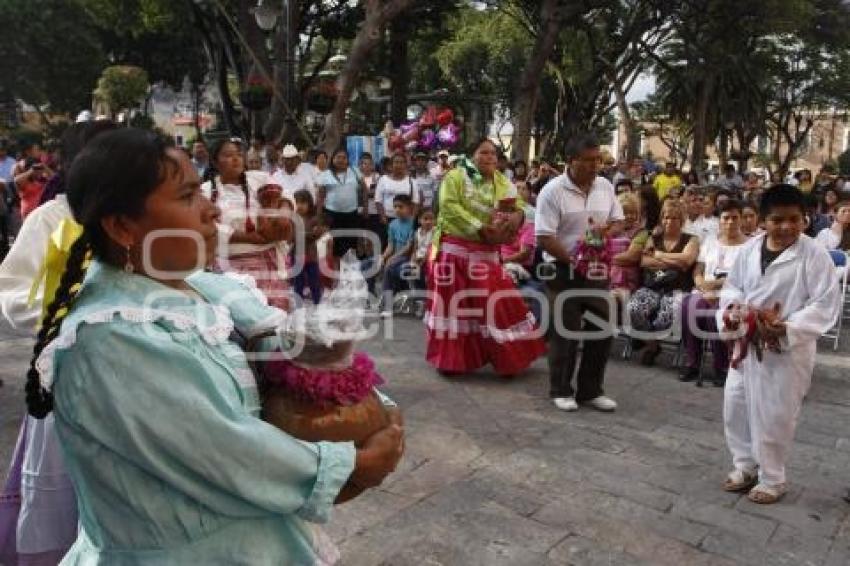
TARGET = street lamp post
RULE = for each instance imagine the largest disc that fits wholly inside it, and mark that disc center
(266, 17)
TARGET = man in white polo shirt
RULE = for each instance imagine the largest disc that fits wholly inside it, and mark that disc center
(292, 177)
(565, 207)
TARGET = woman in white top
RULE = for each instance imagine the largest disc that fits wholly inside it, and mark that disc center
(837, 236)
(398, 182)
(716, 257)
(242, 249)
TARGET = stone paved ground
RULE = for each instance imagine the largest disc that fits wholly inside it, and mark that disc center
(494, 475)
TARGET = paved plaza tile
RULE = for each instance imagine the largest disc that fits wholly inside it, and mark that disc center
(495, 475)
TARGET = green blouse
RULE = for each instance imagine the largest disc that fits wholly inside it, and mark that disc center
(466, 205)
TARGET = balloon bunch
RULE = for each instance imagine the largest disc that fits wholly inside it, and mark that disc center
(435, 128)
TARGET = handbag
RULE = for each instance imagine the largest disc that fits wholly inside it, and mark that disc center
(661, 280)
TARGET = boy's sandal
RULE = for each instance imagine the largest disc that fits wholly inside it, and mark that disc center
(738, 480)
(764, 494)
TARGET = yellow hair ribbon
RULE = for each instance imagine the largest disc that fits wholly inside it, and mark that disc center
(55, 260)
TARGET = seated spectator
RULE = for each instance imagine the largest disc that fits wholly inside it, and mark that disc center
(650, 208)
(667, 263)
(815, 221)
(398, 250)
(750, 219)
(752, 186)
(716, 256)
(520, 171)
(829, 201)
(837, 236)
(626, 248)
(700, 221)
(624, 186)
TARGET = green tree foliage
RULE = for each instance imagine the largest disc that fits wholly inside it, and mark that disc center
(483, 55)
(50, 55)
(122, 87)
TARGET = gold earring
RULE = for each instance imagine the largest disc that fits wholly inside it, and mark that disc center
(128, 264)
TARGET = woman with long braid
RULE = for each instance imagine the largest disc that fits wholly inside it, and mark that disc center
(156, 409)
(38, 511)
(244, 248)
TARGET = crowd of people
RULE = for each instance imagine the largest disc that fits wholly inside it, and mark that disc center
(515, 261)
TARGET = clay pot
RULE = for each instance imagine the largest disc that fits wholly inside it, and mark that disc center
(338, 423)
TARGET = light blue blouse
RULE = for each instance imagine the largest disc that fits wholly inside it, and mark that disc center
(341, 190)
(156, 410)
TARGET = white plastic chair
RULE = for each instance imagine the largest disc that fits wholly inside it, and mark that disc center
(834, 333)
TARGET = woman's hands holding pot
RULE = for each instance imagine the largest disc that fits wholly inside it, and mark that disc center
(380, 454)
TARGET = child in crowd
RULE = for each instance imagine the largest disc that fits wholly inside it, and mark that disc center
(750, 219)
(786, 270)
(398, 250)
(421, 245)
(305, 260)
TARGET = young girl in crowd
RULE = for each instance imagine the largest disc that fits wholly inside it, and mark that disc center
(156, 409)
(244, 249)
(305, 259)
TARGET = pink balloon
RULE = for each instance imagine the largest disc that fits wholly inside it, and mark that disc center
(411, 135)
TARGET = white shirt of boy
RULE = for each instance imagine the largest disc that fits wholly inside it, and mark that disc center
(762, 400)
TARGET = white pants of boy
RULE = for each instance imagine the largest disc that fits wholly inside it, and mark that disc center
(761, 407)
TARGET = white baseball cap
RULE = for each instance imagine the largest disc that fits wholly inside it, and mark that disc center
(289, 151)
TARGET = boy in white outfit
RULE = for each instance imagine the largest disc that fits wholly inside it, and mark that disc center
(763, 399)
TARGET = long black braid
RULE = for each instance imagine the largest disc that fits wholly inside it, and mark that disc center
(112, 176)
(39, 400)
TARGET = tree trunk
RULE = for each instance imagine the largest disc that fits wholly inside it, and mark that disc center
(723, 150)
(701, 125)
(378, 14)
(399, 71)
(528, 87)
(626, 149)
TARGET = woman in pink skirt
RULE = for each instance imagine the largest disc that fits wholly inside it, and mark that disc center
(476, 316)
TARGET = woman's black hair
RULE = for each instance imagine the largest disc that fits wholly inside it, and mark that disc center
(212, 171)
(579, 143)
(830, 189)
(112, 176)
(473, 147)
(731, 204)
(781, 195)
(336, 152)
(650, 205)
